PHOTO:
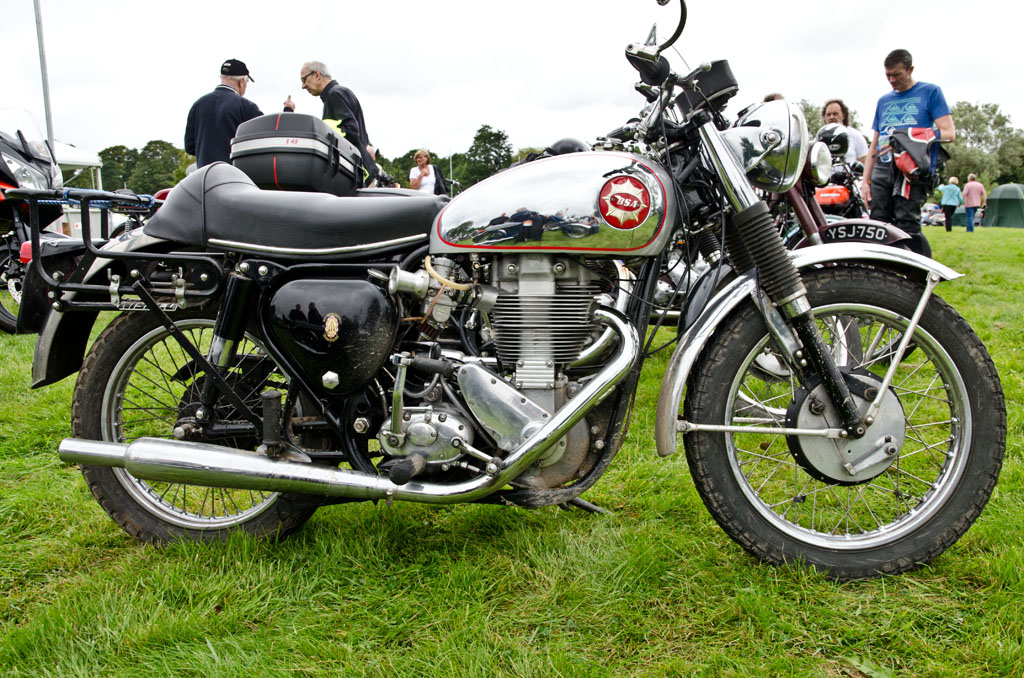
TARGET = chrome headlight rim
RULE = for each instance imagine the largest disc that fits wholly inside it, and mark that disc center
(819, 163)
(770, 140)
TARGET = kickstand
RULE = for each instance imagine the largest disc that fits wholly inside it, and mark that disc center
(584, 505)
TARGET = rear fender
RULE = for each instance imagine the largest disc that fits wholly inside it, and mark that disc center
(744, 287)
(60, 347)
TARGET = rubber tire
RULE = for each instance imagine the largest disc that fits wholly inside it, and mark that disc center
(707, 453)
(286, 514)
(8, 319)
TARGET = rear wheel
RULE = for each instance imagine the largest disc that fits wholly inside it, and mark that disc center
(853, 508)
(138, 382)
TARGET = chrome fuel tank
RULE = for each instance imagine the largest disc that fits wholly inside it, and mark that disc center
(601, 203)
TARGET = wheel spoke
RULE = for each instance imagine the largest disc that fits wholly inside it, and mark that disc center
(158, 384)
(876, 506)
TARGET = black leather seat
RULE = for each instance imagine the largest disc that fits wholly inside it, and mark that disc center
(219, 208)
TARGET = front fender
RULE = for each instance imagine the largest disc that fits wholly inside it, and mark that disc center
(60, 347)
(858, 230)
(691, 344)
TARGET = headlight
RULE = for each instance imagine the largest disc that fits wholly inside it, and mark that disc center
(770, 139)
(26, 175)
(820, 163)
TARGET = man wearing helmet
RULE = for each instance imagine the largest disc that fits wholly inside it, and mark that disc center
(911, 104)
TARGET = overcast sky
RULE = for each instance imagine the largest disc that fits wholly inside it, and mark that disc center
(429, 73)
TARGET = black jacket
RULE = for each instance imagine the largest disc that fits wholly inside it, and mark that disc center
(212, 122)
(342, 110)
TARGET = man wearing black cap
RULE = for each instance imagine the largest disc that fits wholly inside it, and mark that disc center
(214, 117)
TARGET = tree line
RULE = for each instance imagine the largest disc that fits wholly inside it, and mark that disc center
(489, 153)
(987, 144)
(160, 164)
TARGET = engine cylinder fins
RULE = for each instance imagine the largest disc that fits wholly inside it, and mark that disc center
(556, 327)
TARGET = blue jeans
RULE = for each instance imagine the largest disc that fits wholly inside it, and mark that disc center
(970, 218)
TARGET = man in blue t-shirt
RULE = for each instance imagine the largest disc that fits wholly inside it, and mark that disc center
(910, 104)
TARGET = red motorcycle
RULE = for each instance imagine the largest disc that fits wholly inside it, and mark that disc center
(801, 211)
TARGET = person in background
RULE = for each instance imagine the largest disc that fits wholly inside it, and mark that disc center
(214, 117)
(425, 177)
(909, 104)
(341, 111)
(774, 96)
(421, 178)
(836, 111)
(951, 199)
(974, 197)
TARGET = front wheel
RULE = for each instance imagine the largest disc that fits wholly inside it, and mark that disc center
(852, 508)
(138, 382)
(12, 274)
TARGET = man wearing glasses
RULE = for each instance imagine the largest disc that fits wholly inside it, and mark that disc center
(214, 117)
(341, 111)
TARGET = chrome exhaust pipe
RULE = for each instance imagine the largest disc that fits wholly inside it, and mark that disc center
(176, 461)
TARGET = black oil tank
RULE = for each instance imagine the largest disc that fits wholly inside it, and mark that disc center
(336, 331)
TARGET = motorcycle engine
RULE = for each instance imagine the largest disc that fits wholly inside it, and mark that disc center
(536, 309)
(541, 317)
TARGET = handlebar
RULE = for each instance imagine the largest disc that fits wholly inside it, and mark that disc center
(651, 52)
(679, 27)
(651, 72)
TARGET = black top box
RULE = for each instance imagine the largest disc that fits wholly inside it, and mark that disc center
(296, 152)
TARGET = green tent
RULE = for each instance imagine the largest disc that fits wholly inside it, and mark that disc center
(1006, 206)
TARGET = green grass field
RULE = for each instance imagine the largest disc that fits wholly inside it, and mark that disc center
(656, 589)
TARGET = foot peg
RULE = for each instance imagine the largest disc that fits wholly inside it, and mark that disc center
(407, 468)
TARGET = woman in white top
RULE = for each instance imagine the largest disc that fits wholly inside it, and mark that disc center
(423, 176)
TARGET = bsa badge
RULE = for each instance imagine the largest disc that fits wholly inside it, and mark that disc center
(332, 325)
(624, 202)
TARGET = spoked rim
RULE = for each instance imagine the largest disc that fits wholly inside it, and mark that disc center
(10, 290)
(896, 503)
(148, 388)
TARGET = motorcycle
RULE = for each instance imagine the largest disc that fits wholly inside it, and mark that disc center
(277, 352)
(841, 198)
(802, 213)
(27, 162)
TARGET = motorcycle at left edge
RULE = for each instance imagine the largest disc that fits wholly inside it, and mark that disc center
(276, 352)
(27, 162)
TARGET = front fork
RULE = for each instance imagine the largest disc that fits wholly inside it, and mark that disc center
(756, 242)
